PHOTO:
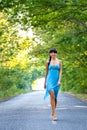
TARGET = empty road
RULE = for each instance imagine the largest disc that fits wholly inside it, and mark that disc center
(30, 112)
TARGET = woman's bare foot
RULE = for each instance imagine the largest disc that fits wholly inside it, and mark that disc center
(54, 117)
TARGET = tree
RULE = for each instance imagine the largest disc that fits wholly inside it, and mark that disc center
(60, 24)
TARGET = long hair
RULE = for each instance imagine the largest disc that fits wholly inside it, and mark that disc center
(49, 60)
(51, 50)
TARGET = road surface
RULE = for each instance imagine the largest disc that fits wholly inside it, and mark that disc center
(30, 112)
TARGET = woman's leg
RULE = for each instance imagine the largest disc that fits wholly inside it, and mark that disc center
(55, 102)
(56, 93)
(52, 103)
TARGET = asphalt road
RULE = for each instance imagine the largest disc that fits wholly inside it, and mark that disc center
(30, 112)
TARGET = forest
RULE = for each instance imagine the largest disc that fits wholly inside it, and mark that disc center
(28, 29)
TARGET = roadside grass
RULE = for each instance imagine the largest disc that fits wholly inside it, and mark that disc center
(81, 96)
(12, 93)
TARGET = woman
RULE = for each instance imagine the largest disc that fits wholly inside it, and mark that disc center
(53, 79)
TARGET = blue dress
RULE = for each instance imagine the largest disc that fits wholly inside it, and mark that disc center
(52, 80)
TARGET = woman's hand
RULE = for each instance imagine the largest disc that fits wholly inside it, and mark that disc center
(59, 83)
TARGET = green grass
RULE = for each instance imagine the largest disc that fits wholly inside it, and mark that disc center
(81, 96)
(12, 92)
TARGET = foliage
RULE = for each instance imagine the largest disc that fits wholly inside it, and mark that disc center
(54, 23)
(15, 63)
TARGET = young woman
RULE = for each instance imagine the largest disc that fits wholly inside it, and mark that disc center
(53, 79)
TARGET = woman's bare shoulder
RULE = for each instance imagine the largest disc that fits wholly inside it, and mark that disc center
(59, 61)
(46, 62)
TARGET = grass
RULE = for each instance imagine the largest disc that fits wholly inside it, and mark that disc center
(81, 96)
(12, 93)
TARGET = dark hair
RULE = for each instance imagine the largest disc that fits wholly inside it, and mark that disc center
(49, 60)
(51, 50)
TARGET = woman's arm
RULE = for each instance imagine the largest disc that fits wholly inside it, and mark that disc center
(60, 74)
(46, 75)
